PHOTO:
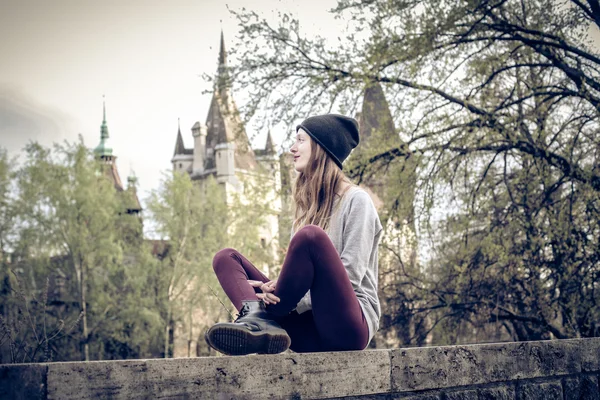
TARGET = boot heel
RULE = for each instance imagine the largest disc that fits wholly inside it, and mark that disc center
(254, 331)
(228, 341)
(278, 344)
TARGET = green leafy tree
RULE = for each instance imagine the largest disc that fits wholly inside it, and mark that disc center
(252, 212)
(134, 325)
(7, 218)
(28, 332)
(191, 219)
(67, 211)
(6, 204)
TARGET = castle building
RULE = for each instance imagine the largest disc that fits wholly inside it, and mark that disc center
(222, 150)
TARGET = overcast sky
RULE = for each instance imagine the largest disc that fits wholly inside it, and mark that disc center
(59, 57)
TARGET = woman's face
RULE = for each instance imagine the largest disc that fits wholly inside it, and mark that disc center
(301, 150)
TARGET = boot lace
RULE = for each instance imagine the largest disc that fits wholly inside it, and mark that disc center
(243, 312)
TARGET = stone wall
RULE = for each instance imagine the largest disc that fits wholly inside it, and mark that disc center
(546, 370)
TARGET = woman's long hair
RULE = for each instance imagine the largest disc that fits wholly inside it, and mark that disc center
(315, 188)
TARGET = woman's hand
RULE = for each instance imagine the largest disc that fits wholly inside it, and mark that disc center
(267, 289)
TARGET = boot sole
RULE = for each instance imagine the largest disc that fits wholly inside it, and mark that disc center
(237, 341)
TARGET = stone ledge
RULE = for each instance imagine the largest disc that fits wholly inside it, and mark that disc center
(443, 367)
(373, 374)
(316, 375)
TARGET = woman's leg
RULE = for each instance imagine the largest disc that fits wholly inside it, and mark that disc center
(255, 330)
(312, 262)
(233, 271)
(302, 331)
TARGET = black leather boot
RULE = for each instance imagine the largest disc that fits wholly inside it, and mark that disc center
(254, 331)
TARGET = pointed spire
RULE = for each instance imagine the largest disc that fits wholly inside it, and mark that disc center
(222, 73)
(222, 53)
(102, 149)
(104, 128)
(132, 201)
(179, 147)
(269, 147)
(375, 116)
(223, 123)
(132, 179)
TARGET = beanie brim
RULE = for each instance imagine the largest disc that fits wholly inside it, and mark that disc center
(316, 139)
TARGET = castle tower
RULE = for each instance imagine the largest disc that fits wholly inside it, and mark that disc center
(183, 159)
(222, 150)
(131, 202)
(105, 153)
(396, 187)
(379, 134)
(134, 228)
(199, 155)
(226, 136)
(221, 145)
(102, 149)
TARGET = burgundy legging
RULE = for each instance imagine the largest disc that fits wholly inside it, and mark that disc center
(312, 262)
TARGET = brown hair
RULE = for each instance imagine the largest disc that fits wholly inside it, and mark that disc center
(315, 189)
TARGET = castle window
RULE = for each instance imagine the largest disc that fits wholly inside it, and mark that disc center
(180, 165)
(263, 242)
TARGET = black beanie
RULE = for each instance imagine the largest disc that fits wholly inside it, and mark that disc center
(337, 134)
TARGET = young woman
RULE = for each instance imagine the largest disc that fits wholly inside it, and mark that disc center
(325, 298)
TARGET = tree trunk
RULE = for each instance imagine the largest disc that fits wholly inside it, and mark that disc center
(167, 326)
(189, 344)
(82, 304)
(86, 346)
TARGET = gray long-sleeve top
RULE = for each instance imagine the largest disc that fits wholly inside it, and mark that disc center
(355, 230)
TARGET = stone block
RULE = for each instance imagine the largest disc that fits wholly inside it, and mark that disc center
(541, 391)
(589, 388)
(23, 381)
(282, 376)
(461, 395)
(504, 392)
(571, 388)
(452, 366)
(581, 388)
(590, 355)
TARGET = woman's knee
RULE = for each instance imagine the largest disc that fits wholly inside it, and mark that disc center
(220, 259)
(311, 234)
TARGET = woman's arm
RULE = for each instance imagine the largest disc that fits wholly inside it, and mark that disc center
(361, 226)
